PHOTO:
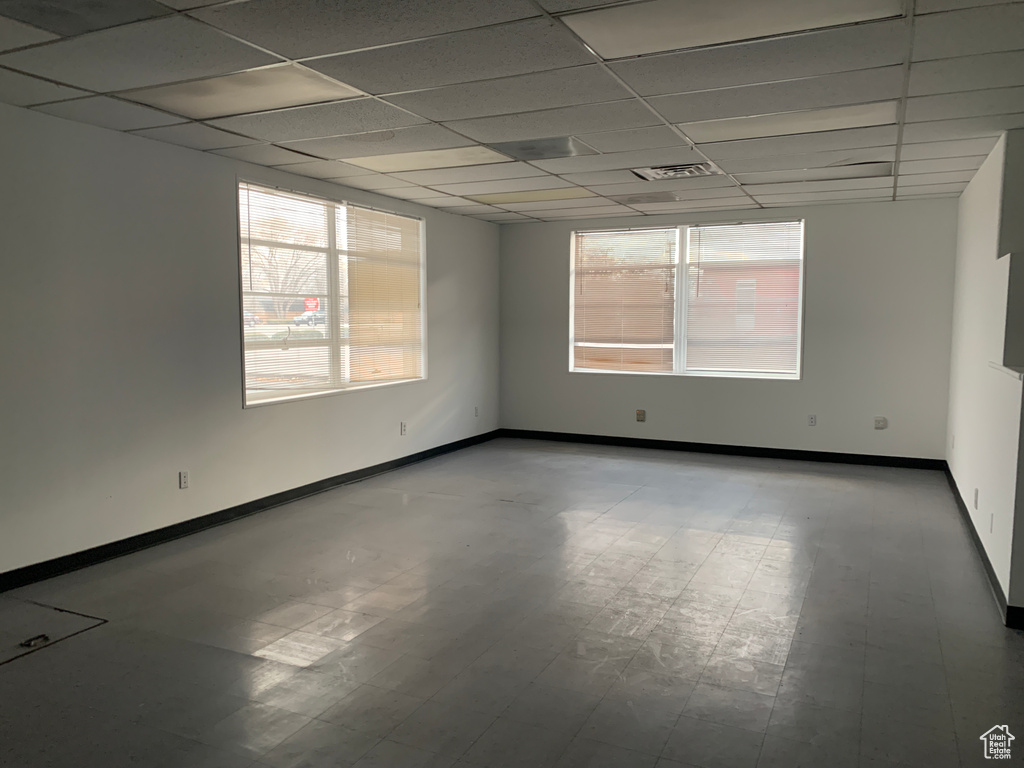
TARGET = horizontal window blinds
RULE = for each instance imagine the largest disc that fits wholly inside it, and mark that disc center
(624, 295)
(330, 295)
(722, 299)
(386, 333)
(743, 298)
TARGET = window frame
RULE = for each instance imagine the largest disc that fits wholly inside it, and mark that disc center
(680, 306)
(294, 395)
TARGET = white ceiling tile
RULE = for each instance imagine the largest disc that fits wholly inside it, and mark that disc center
(572, 213)
(262, 154)
(851, 195)
(426, 159)
(957, 148)
(508, 216)
(556, 6)
(76, 17)
(413, 192)
(941, 165)
(299, 28)
(947, 177)
(809, 160)
(375, 181)
(544, 148)
(195, 135)
(543, 205)
(22, 90)
(818, 53)
(858, 171)
(600, 177)
(757, 190)
(14, 34)
(855, 138)
(109, 113)
(256, 90)
(341, 117)
(505, 185)
(964, 128)
(665, 185)
(968, 32)
(633, 139)
(617, 160)
(786, 123)
(472, 210)
(664, 25)
(930, 189)
(904, 197)
(582, 215)
(444, 201)
(185, 5)
(523, 93)
(502, 198)
(630, 113)
(792, 95)
(417, 138)
(679, 195)
(513, 49)
(472, 173)
(967, 73)
(718, 204)
(324, 169)
(136, 55)
(991, 101)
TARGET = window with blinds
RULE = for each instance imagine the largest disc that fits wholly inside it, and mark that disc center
(720, 300)
(331, 295)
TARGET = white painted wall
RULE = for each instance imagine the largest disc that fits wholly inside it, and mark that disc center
(121, 344)
(984, 403)
(879, 282)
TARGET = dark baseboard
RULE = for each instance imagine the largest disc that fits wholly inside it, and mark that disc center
(731, 450)
(49, 568)
(1013, 616)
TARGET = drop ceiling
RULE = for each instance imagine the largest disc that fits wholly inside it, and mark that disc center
(526, 110)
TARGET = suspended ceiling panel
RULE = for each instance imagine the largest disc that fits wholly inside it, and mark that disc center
(530, 107)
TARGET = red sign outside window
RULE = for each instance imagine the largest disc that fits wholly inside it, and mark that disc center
(312, 305)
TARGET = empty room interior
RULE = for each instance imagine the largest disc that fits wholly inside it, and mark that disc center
(521, 384)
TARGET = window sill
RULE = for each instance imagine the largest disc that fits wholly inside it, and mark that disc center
(291, 397)
(695, 374)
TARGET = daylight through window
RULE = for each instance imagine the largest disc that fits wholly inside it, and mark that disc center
(720, 300)
(331, 295)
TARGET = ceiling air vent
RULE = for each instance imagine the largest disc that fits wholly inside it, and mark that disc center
(676, 171)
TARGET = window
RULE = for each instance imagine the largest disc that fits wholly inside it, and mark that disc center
(721, 300)
(331, 295)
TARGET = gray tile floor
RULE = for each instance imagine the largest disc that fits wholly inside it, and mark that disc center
(539, 604)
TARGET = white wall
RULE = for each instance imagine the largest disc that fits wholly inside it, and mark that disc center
(984, 403)
(121, 344)
(879, 281)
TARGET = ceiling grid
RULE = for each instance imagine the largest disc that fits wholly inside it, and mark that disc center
(532, 110)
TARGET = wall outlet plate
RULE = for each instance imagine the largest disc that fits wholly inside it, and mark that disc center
(641, 414)
(812, 420)
(402, 428)
(183, 479)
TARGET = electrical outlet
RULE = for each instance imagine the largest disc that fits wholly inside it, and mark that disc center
(991, 522)
(641, 414)
(812, 420)
(476, 411)
(952, 443)
(881, 422)
(183, 479)
(975, 498)
(402, 428)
